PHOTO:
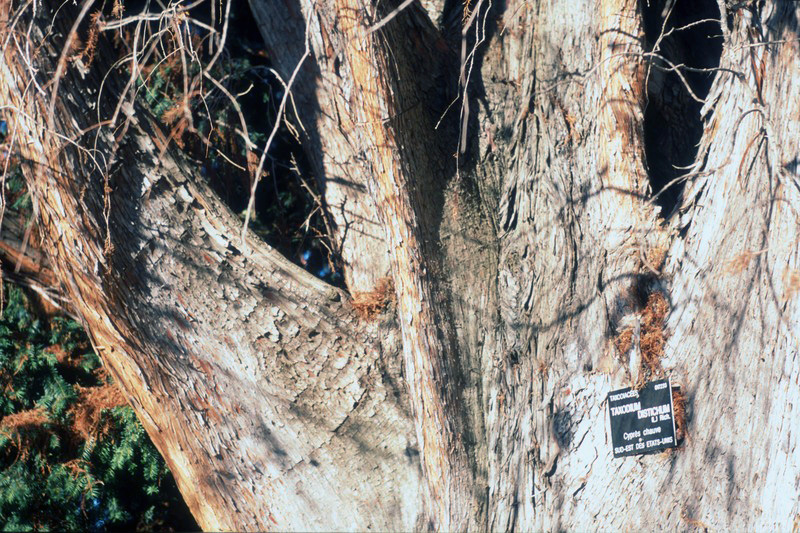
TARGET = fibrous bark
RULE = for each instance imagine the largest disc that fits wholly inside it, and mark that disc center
(576, 268)
(524, 245)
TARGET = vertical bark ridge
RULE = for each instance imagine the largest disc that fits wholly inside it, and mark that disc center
(735, 279)
(575, 219)
(403, 172)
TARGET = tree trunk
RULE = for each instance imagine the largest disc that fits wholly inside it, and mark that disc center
(536, 264)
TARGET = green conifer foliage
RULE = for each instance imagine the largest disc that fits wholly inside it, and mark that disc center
(72, 455)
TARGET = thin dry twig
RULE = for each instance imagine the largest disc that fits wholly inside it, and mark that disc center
(466, 73)
(388, 18)
(276, 126)
(62, 61)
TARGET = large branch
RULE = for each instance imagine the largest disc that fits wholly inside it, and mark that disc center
(327, 103)
(321, 94)
(736, 277)
(273, 404)
(376, 110)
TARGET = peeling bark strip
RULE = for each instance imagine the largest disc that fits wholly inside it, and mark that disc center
(622, 103)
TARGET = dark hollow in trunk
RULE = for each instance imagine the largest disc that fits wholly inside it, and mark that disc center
(685, 39)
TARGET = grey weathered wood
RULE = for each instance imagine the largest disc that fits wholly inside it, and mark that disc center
(514, 278)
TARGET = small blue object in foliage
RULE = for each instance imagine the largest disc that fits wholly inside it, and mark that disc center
(314, 261)
(324, 271)
(3, 128)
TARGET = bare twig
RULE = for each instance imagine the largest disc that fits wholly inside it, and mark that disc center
(466, 72)
(62, 61)
(221, 44)
(388, 18)
(275, 127)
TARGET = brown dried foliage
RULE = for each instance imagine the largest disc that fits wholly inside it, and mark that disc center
(679, 412)
(30, 419)
(369, 304)
(652, 337)
(118, 9)
(87, 411)
(738, 264)
(26, 429)
(171, 115)
(652, 333)
(88, 51)
(624, 341)
(791, 279)
(62, 356)
(656, 257)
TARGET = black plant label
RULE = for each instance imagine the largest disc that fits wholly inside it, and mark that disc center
(642, 421)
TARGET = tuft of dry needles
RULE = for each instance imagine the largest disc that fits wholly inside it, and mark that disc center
(87, 411)
(679, 411)
(25, 429)
(653, 338)
(369, 304)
